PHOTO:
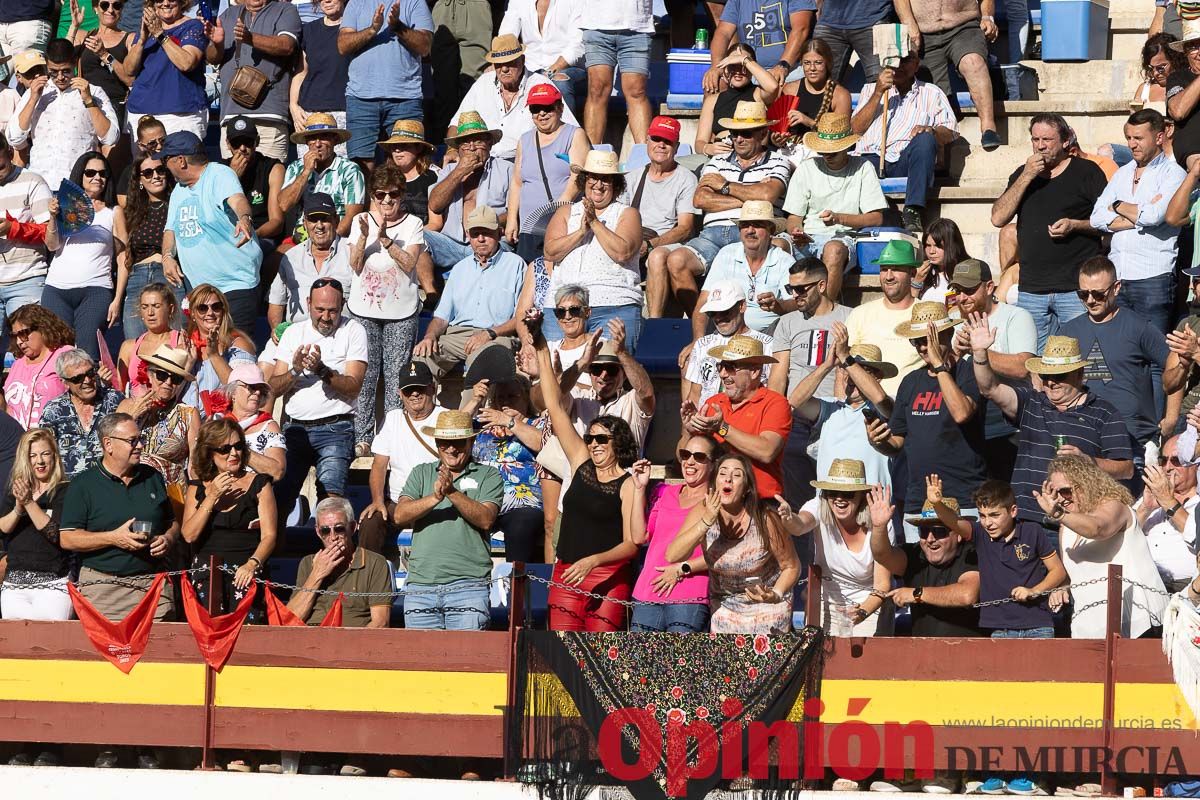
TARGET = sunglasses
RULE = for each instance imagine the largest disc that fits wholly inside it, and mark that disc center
(936, 531)
(1095, 294)
(321, 283)
(661, 140)
(325, 530)
(1159, 69)
(597, 438)
(801, 289)
(255, 388)
(1065, 492)
(94, 173)
(834, 494)
(64, 72)
(226, 449)
(603, 369)
(695, 455)
(568, 311)
(153, 144)
(411, 391)
(103, 5)
(147, 172)
(217, 307)
(391, 195)
(75, 380)
(1173, 461)
(163, 376)
(24, 332)
(134, 443)
(542, 109)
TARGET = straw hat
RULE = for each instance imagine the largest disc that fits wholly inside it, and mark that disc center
(833, 134)
(505, 48)
(743, 350)
(607, 354)
(871, 357)
(451, 425)
(171, 359)
(845, 475)
(320, 123)
(407, 131)
(924, 313)
(761, 211)
(470, 123)
(929, 517)
(599, 162)
(1191, 32)
(1060, 356)
(748, 115)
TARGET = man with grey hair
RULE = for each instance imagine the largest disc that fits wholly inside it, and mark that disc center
(342, 566)
(73, 416)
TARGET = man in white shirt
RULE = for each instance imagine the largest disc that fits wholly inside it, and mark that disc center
(397, 448)
(319, 369)
(726, 307)
(1166, 512)
(61, 116)
(617, 32)
(323, 255)
(553, 43)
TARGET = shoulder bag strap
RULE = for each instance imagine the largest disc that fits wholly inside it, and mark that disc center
(542, 167)
(237, 54)
(637, 193)
(418, 436)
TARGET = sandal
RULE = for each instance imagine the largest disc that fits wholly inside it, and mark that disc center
(1087, 790)
(845, 785)
(238, 765)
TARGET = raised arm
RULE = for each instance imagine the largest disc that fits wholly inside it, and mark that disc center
(879, 503)
(983, 336)
(1006, 205)
(350, 41)
(560, 420)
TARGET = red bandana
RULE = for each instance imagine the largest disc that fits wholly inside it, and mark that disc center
(124, 642)
(280, 614)
(215, 636)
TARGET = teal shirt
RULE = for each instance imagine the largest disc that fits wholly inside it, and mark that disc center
(203, 223)
(99, 501)
(446, 548)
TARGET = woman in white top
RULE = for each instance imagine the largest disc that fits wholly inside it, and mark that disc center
(595, 243)
(840, 515)
(1100, 528)
(385, 243)
(79, 285)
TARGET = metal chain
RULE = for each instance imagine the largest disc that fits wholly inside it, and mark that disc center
(506, 580)
(606, 598)
(127, 581)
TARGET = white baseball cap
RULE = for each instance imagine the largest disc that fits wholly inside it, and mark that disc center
(723, 296)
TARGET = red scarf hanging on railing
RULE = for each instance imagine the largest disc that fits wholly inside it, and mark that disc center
(215, 636)
(122, 642)
(280, 614)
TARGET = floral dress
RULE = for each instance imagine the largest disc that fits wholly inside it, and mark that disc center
(734, 564)
(517, 465)
(164, 440)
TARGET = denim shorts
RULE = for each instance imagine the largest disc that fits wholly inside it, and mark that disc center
(818, 243)
(670, 618)
(628, 49)
(710, 241)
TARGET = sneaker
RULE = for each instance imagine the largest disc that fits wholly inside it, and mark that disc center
(148, 761)
(352, 771)
(989, 141)
(362, 450)
(884, 786)
(992, 786)
(106, 760)
(942, 784)
(21, 760)
(46, 759)
(911, 215)
(1023, 785)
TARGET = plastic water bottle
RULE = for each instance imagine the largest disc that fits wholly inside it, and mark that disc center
(701, 39)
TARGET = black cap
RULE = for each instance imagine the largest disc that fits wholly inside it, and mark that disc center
(240, 127)
(417, 374)
(319, 203)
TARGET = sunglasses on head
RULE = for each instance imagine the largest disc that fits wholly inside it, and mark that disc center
(796, 290)
(597, 438)
(325, 530)
(75, 380)
(1095, 294)
(217, 307)
(698, 456)
(603, 369)
(563, 312)
(164, 376)
(937, 531)
(321, 283)
(147, 172)
(381, 195)
(226, 449)
(94, 173)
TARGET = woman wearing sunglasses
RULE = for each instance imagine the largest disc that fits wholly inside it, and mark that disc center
(216, 347)
(166, 60)
(385, 244)
(679, 590)
(842, 519)
(249, 406)
(745, 81)
(1099, 527)
(102, 50)
(36, 338)
(603, 518)
(1159, 60)
(144, 217)
(169, 427)
(229, 513)
(79, 286)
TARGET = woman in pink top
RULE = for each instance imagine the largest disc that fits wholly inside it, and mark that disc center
(682, 599)
(36, 337)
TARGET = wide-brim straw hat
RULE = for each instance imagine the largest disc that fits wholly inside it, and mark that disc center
(929, 517)
(748, 115)
(1191, 32)
(833, 134)
(742, 350)
(924, 313)
(599, 162)
(505, 48)
(451, 425)
(407, 131)
(761, 211)
(171, 359)
(1060, 356)
(871, 357)
(320, 123)
(845, 475)
(470, 123)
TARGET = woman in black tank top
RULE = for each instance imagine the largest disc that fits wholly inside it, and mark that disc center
(741, 72)
(604, 509)
(816, 93)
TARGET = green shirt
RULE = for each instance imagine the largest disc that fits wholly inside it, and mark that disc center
(368, 572)
(98, 501)
(445, 547)
(342, 180)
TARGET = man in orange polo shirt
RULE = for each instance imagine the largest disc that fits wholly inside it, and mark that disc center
(746, 416)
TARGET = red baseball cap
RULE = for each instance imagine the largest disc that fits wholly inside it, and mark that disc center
(543, 94)
(666, 127)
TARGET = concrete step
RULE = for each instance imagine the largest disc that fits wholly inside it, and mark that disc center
(1112, 79)
(1127, 33)
(1096, 120)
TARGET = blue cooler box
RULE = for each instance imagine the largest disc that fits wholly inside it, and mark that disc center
(872, 242)
(1074, 30)
(685, 71)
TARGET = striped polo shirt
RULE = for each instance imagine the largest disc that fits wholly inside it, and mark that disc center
(923, 104)
(25, 197)
(770, 165)
(1092, 425)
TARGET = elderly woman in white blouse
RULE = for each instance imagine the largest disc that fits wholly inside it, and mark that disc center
(595, 242)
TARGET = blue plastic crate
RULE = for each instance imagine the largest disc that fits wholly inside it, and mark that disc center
(1074, 30)
(685, 101)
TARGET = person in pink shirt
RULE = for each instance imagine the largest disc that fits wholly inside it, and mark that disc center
(36, 337)
(680, 593)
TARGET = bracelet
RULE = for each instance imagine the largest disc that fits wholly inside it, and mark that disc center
(707, 523)
(257, 563)
(918, 285)
(982, 361)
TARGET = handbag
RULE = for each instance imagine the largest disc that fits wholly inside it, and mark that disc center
(250, 85)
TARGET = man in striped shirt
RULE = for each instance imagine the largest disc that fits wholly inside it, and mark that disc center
(24, 212)
(1063, 418)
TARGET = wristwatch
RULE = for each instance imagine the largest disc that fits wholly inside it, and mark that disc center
(917, 592)
(1170, 512)
(686, 569)
(785, 64)
(723, 430)
(848, 362)
(942, 368)
(491, 333)
(724, 190)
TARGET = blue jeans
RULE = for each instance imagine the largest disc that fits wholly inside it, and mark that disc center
(1153, 299)
(1050, 311)
(20, 293)
(670, 618)
(1031, 633)
(630, 315)
(141, 276)
(710, 240)
(85, 309)
(367, 119)
(447, 251)
(456, 606)
(629, 49)
(915, 163)
(330, 448)
(572, 82)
